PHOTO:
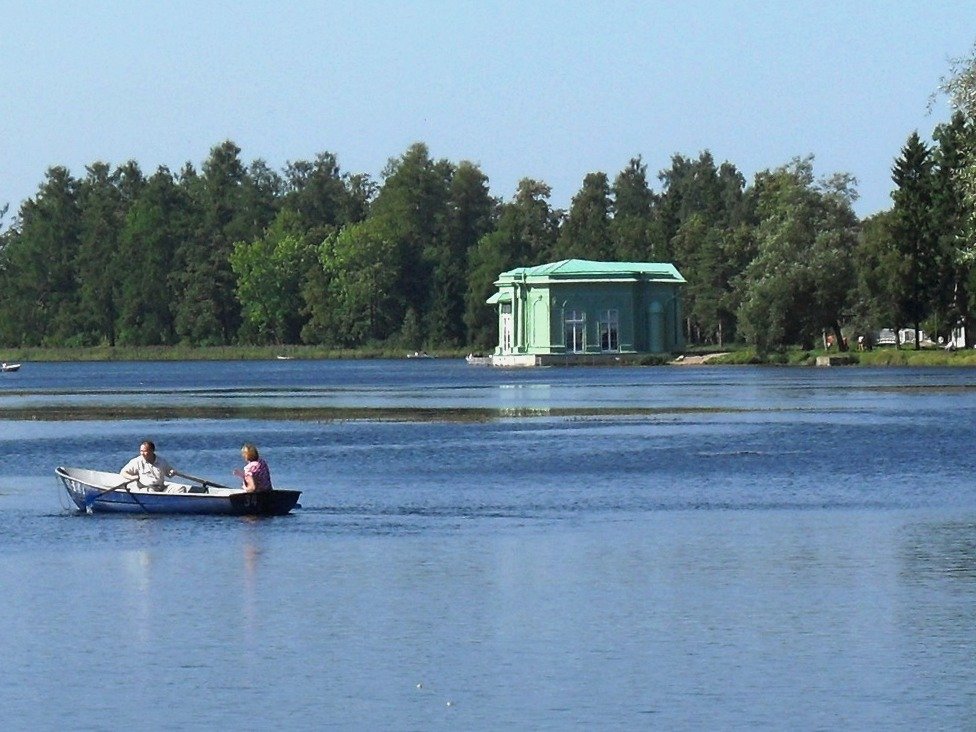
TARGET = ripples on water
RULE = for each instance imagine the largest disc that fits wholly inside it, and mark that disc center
(688, 548)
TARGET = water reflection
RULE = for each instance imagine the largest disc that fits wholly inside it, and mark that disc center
(345, 389)
(138, 607)
(702, 549)
(941, 553)
(250, 586)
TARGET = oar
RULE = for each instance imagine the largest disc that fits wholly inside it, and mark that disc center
(202, 481)
(95, 497)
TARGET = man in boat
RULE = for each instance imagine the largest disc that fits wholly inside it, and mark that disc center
(150, 469)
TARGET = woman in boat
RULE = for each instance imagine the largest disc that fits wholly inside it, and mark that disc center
(256, 475)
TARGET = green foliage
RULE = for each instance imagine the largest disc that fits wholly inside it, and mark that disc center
(360, 266)
(877, 264)
(207, 310)
(633, 207)
(489, 258)
(796, 285)
(411, 335)
(926, 357)
(322, 198)
(469, 217)
(586, 232)
(41, 297)
(954, 293)
(269, 273)
(152, 229)
(241, 254)
(700, 188)
(526, 231)
(738, 357)
(960, 86)
(202, 353)
(412, 207)
(914, 233)
(703, 214)
(97, 262)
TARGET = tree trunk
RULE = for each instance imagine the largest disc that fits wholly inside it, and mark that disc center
(841, 343)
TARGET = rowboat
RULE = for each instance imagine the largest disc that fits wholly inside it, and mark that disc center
(9, 366)
(97, 491)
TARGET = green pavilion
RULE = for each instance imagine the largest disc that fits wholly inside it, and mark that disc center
(580, 311)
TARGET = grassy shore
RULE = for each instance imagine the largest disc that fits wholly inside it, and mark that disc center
(888, 356)
(210, 353)
(736, 355)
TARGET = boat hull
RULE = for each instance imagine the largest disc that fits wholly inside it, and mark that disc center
(95, 491)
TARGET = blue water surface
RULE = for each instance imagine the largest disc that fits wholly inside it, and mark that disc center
(609, 548)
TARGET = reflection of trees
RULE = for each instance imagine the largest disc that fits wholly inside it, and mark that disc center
(936, 611)
(941, 553)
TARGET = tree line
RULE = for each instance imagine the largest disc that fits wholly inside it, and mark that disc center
(241, 253)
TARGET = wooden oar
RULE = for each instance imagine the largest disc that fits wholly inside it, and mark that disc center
(88, 504)
(202, 481)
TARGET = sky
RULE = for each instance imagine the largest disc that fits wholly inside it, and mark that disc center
(538, 89)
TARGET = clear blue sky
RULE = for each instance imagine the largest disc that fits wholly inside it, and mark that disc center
(548, 90)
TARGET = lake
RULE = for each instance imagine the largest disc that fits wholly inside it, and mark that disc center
(603, 548)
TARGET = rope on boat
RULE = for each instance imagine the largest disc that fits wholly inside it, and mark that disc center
(77, 486)
(59, 487)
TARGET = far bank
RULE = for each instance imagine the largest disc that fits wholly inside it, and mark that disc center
(736, 355)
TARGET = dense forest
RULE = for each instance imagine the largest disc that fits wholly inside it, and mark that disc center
(241, 253)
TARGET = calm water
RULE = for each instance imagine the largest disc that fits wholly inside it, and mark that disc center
(659, 548)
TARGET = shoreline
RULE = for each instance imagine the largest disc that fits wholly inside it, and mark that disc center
(694, 360)
(878, 357)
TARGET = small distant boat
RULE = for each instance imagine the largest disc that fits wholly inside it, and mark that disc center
(284, 358)
(9, 366)
(419, 354)
(95, 491)
(478, 359)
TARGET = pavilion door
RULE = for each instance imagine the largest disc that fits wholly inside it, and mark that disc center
(507, 328)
